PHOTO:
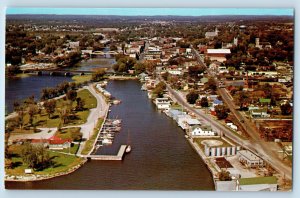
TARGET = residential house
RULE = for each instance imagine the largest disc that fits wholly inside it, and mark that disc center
(232, 126)
(198, 130)
(162, 103)
(259, 113)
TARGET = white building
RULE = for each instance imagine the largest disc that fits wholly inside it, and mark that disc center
(162, 103)
(232, 126)
(249, 159)
(257, 184)
(202, 131)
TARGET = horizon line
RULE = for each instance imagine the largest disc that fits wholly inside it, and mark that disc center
(153, 11)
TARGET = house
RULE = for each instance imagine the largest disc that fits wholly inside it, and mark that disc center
(250, 159)
(265, 101)
(198, 130)
(174, 113)
(259, 113)
(232, 126)
(181, 121)
(56, 143)
(217, 102)
(217, 54)
(162, 103)
(257, 184)
(74, 45)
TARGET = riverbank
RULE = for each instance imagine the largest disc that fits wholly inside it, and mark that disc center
(32, 177)
(123, 78)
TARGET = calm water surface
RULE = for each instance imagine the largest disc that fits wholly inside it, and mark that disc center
(161, 158)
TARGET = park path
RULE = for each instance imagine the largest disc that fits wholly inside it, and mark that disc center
(86, 128)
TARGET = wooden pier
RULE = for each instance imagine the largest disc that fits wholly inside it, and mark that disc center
(119, 156)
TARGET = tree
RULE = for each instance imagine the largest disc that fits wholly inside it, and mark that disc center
(35, 157)
(71, 95)
(113, 48)
(192, 97)
(80, 104)
(286, 109)
(224, 176)
(221, 111)
(139, 67)
(50, 106)
(211, 84)
(194, 71)
(98, 75)
(204, 102)
(159, 89)
(64, 114)
(32, 111)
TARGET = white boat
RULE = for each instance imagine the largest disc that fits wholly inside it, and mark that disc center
(128, 149)
(106, 141)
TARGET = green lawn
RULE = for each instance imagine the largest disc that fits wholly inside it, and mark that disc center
(81, 79)
(67, 133)
(90, 143)
(61, 162)
(42, 120)
(73, 150)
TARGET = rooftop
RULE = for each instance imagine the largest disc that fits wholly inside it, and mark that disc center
(249, 155)
(218, 51)
(258, 180)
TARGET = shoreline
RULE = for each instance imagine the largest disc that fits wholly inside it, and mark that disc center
(32, 178)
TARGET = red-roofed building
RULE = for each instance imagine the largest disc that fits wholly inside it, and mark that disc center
(56, 143)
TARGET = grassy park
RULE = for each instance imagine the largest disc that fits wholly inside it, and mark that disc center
(81, 79)
(80, 117)
(60, 162)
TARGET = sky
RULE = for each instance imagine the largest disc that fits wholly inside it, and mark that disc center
(151, 11)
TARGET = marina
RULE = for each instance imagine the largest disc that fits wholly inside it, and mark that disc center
(162, 153)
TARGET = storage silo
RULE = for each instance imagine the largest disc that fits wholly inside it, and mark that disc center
(228, 150)
(233, 150)
(206, 150)
(218, 151)
(213, 152)
(223, 151)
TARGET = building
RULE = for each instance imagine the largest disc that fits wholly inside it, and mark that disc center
(259, 113)
(217, 54)
(74, 45)
(250, 159)
(211, 35)
(56, 143)
(198, 130)
(162, 103)
(232, 126)
(257, 184)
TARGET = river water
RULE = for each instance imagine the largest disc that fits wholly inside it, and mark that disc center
(161, 157)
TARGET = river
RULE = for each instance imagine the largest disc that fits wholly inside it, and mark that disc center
(161, 157)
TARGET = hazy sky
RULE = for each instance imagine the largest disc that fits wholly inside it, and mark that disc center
(151, 11)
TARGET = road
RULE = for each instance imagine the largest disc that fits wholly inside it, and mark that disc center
(255, 144)
(261, 146)
(86, 128)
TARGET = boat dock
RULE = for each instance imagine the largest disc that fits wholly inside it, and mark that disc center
(119, 156)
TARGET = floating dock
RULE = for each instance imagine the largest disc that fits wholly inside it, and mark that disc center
(119, 156)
